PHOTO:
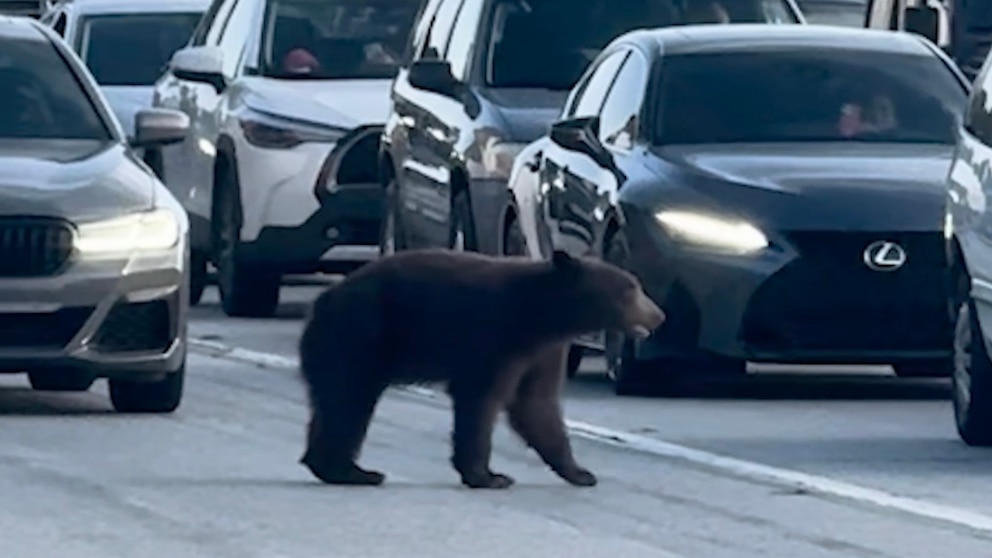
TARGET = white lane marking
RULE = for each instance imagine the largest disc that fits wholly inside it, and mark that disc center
(815, 484)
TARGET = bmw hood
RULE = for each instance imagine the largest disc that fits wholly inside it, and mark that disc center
(76, 180)
(345, 103)
(817, 186)
(126, 102)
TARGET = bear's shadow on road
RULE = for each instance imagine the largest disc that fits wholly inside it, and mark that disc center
(784, 386)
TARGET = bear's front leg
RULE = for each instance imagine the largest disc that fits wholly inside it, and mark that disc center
(475, 417)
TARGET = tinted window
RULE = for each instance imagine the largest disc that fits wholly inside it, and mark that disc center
(805, 95)
(618, 117)
(522, 52)
(148, 39)
(41, 97)
(336, 39)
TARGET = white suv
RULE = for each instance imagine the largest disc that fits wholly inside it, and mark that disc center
(286, 100)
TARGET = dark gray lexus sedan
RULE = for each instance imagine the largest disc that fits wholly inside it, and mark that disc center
(93, 248)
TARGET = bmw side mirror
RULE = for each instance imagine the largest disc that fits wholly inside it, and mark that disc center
(433, 75)
(154, 127)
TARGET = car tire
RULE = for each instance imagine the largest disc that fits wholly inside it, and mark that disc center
(60, 380)
(245, 291)
(971, 382)
(391, 236)
(461, 233)
(197, 277)
(161, 396)
(928, 368)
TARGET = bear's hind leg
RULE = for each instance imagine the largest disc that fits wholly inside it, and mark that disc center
(475, 418)
(335, 437)
(536, 415)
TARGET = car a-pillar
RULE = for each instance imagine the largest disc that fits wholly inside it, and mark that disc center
(971, 379)
(673, 374)
(246, 288)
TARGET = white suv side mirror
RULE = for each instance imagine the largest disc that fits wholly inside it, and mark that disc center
(203, 64)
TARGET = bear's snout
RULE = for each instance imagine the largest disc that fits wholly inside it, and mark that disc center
(647, 317)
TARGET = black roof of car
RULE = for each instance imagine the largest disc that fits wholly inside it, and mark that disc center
(738, 37)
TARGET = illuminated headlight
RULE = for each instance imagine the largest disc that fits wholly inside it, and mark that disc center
(147, 231)
(714, 233)
(948, 225)
(270, 132)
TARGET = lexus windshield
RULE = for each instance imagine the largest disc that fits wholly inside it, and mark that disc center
(806, 95)
(41, 96)
(336, 39)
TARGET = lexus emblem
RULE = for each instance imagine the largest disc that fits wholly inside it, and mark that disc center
(884, 255)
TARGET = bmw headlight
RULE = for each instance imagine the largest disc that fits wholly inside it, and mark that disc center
(712, 232)
(154, 230)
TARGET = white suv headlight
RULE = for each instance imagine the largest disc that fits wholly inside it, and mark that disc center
(147, 231)
(271, 132)
(711, 232)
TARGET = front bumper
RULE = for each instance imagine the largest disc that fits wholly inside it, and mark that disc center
(325, 216)
(105, 318)
(809, 299)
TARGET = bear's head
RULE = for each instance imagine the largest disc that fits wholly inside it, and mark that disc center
(604, 296)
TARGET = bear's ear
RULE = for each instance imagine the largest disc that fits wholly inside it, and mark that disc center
(562, 260)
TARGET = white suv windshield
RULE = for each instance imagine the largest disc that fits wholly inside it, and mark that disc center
(336, 39)
(523, 53)
(40, 95)
(132, 49)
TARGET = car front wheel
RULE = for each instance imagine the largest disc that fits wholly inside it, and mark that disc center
(161, 396)
(245, 291)
(972, 379)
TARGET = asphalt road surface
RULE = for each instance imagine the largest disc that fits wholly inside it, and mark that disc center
(220, 478)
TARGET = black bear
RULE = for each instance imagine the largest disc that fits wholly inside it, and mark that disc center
(495, 330)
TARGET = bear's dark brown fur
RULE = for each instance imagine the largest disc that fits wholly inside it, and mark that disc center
(495, 330)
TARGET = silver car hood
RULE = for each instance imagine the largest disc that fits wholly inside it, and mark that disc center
(79, 180)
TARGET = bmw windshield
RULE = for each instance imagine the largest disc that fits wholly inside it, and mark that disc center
(41, 96)
(808, 96)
